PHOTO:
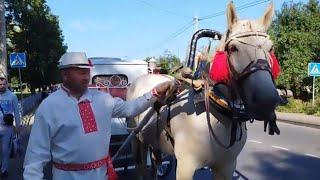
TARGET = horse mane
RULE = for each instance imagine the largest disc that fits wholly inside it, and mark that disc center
(204, 55)
(221, 45)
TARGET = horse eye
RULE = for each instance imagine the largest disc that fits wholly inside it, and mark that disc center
(233, 49)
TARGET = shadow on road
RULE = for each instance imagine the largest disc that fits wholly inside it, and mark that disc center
(16, 165)
(288, 166)
(277, 166)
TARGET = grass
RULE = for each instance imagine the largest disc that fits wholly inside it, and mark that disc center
(299, 106)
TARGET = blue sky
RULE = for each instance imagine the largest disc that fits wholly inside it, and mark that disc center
(135, 29)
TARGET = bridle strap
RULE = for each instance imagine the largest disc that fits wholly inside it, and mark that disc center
(253, 65)
(245, 34)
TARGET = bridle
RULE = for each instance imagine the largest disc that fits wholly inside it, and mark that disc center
(254, 65)
(231, 110)
(235, 79)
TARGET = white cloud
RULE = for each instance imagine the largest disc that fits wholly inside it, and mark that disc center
(89, 25)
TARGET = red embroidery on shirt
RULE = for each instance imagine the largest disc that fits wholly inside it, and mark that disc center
(88, 121)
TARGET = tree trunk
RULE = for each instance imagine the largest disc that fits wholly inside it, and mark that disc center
(3, 40)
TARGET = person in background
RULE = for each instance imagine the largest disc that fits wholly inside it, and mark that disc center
(72, 126)
(9, 104)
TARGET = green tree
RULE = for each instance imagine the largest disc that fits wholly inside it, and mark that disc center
(39, 37)
(147, 59)
(295, 32)
(168, 61)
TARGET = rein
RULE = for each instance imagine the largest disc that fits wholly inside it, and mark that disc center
(232, 109)
(235, 120)
(253, 66)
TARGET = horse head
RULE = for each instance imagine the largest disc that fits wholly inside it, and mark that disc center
(245, 60)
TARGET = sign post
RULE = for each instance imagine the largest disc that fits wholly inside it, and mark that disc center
(18, 60)
(3, 40)
(313, 70)
(313, 83)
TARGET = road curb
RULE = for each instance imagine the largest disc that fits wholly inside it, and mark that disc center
(299, 119)
(299, 123)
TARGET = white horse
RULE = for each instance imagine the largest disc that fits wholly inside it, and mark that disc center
(193, 144)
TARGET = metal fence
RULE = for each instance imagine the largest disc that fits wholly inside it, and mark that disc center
(27, 105)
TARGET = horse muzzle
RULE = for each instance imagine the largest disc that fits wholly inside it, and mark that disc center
(259, 94)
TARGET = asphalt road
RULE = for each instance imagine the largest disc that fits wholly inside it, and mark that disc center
(295, 154)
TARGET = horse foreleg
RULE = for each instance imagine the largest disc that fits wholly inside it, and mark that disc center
(185, 168)
(186, 162)
(224, 172)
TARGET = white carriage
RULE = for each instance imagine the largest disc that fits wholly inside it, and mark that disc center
(116, 75)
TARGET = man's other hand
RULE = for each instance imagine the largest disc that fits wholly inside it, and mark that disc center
(164, 89)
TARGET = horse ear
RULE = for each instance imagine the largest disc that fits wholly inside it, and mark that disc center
(231, 15)
(267, 17)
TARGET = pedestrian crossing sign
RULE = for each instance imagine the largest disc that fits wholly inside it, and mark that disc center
(314, 69)
(18, 60)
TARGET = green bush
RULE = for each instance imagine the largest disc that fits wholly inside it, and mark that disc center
(293, 106)
(309, 109)
(299, 106)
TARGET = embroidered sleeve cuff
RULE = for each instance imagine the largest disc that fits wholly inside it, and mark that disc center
(155, 93)
(150, 97)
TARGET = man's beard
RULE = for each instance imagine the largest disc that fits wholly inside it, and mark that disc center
(78, 88)
(2, 90)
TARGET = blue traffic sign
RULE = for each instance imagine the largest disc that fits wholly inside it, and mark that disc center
(18, 60)
(314, 69)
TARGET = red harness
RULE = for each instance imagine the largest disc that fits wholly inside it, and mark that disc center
(220, 68)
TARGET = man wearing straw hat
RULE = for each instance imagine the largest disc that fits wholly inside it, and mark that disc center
(72, 126)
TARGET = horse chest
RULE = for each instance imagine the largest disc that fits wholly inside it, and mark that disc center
(194, 131)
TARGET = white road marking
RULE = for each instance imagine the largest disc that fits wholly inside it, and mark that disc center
(119, 169)
(122, 168)
(131, 167)
(311, 155)
(279, 147)
(259, 142)
(165, 162)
